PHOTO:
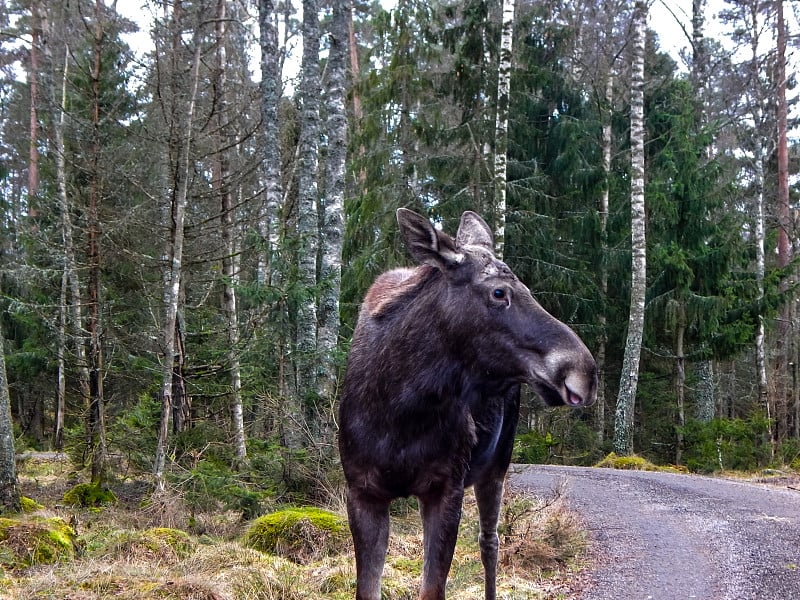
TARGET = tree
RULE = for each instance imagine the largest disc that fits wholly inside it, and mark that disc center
(181, 93)
(224, 184)
(626, 399)
(308, 215)
(9, 487)
(332, 205)
(501, 127)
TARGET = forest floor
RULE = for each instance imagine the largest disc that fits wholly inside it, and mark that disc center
(140, 548)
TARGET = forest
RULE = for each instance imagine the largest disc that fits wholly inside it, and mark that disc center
(189, 223)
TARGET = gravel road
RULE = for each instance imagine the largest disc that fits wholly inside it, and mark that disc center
(664, 536)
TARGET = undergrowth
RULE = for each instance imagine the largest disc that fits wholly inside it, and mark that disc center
(162, 547)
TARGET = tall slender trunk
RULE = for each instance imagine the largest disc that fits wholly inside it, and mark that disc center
(626, 400)
(308, 218)
(760, 152)
(9, 486)
(603, 208)
(333, 220)
(270, 95)
(501, 126)
(184, 92)
(96, 420)
(680, 382)
(37, 23)
(784, 387)
(223, 182)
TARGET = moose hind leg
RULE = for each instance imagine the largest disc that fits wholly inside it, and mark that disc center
(441, 514)
(369, 524)
(489, 496)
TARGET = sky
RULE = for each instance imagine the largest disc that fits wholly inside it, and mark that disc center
(666, 18)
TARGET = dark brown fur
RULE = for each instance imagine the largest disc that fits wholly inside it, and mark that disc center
(431, 394)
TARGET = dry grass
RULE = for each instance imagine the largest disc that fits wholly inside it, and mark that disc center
(126, 554)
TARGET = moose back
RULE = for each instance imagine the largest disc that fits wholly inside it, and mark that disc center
(431, 394)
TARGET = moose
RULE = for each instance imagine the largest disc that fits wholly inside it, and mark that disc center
(431, 394)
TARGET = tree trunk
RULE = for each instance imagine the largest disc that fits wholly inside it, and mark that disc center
(224, 188)
(680, 382)
(760, 153)
(184, 93)
(603, 208)
(96, 420)
(333, 222)
(308, 219)
(270, 95)
(38, 18)
(501, 126)
(626, 400)
(9, 487)
(72, 294)
(706, 396)
(783, 382)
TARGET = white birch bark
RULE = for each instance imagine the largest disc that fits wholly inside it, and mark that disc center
(174, 247)
(626, 399)
(308, 218)
(224, 187)
(270, 94)
(501, 127)
(333, 218)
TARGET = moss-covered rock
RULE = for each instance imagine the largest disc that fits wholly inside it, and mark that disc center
(633, 463)
(160, 544)
(29, 541)
(300, 534)
(29, 505)
(89, 495)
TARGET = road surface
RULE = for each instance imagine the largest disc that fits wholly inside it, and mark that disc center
(665, 536)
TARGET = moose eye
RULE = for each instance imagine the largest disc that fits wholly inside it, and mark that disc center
(499, 294)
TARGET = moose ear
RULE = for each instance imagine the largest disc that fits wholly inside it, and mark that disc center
(473, 231)
(426, 244)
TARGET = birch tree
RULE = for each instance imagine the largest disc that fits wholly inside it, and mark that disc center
(501, 126)
(308, 216)
(181, 94)
(333, 217)
(626, 399)
(270, 94)
(223, 182)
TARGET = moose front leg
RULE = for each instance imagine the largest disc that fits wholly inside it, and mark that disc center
(441, 514)
(489, 496)
(369, 525)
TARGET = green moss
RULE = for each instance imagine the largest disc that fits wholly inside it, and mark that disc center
(29, 541)
(29, 505)
(89, 495)
(633, 463)
(299, 534)
(410, 566)
(161, 543)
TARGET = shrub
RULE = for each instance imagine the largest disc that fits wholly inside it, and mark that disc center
(300, 534)
(739, 444)
(534, 448)
(89, 495)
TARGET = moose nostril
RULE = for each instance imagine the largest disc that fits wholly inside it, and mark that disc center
(573, 399)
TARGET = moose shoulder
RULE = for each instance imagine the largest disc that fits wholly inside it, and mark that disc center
(431, 394)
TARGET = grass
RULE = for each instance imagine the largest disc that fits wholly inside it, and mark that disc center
(159, 550)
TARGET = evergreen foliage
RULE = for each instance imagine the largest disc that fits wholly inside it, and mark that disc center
(421, 121)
